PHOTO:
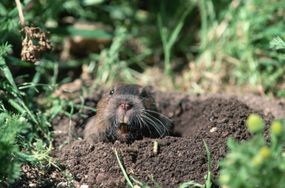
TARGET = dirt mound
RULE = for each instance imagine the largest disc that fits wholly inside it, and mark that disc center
(98, 165)
(212, 119)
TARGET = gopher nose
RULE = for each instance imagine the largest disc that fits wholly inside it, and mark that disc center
(125, 106)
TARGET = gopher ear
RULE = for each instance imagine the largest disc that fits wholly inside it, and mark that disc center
(147, 90)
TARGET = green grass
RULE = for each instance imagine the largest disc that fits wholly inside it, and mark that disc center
(169, 36)
(230, 39)
(240, 36)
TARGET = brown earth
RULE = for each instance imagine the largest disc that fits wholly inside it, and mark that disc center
(179, 159)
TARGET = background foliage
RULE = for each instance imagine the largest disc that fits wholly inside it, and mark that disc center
(197, 43)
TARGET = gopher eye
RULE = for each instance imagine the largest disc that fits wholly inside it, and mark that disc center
(111, 91)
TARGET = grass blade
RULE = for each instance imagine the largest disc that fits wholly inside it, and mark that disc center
(209, 174)
(7, 73)
(123, 169)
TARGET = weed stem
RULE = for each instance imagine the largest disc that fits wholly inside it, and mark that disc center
(20, 11)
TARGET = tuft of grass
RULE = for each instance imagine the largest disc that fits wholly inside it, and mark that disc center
(238, 36)
(108, 65)
(169, 37)
(25, 128)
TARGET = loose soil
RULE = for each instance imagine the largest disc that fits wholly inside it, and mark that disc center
(179, 159)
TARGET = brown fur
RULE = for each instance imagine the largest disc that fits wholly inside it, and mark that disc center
(102, 128)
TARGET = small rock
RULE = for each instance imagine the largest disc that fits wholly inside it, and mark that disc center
(214, 129)
(225, 134)
(84, 186)
(32, 185)
(61, 185)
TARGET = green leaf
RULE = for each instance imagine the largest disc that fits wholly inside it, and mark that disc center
(277, 43)
(92, 2)
(5, 49)
(7, 73)
(85, 33)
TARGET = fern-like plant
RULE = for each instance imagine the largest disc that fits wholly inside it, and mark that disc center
(10, 127)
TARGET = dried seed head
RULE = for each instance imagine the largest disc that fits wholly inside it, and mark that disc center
(34, 44)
